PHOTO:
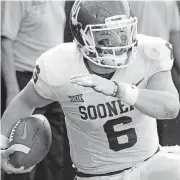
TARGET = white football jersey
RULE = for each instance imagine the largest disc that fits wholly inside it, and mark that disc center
(104, 133)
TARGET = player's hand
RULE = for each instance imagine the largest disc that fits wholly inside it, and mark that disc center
(98, 83)
(7, 167)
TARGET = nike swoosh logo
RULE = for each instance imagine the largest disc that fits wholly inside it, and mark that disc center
(138, 82)
(24, 132)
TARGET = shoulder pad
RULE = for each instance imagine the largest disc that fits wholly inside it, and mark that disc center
(50, 68)
(55, 63)
(158, 50)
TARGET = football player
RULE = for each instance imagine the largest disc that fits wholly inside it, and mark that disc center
(112, 85)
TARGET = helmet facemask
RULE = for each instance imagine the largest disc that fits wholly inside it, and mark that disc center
(112, 44)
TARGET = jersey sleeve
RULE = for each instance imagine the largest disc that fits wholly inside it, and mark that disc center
(162, 57)
(40, 80)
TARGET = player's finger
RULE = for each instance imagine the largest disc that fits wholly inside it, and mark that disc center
(7, 152)
(79, 79)
(84, 81)
(77, 76)
(11, 169)
(26, 170)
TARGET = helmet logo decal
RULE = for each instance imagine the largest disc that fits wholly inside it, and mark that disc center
(75, 12)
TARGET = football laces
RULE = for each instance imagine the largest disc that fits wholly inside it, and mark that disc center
(11, 137)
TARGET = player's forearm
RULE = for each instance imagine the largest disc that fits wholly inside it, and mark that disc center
(8, 69)
(154, 103)
(157, 104)
(20, 107)
(16, 110)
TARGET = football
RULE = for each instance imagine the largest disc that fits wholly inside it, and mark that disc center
(31, 138)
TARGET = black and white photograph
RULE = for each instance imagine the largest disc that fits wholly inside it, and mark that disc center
(90, 90)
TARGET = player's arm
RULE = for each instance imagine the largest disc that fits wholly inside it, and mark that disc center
(8, 70)
(21, 106)
(37, 93)
(160, 100)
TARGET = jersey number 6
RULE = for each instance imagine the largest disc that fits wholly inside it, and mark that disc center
(113, 135)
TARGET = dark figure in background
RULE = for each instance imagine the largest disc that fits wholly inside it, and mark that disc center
(26, 34)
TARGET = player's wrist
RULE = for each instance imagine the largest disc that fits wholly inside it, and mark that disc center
(127, 93)
(3, 142)
(116, 89)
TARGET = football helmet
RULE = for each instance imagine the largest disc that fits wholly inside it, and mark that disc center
(105, 31)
